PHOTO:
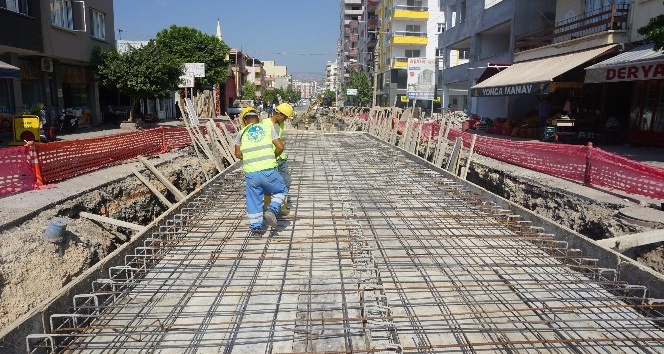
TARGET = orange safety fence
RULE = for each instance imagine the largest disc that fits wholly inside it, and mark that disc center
(16, 170)
(586, 164)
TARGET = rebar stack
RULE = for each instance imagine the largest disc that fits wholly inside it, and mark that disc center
(379, 255)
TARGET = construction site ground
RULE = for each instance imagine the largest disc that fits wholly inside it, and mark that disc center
(32, 271)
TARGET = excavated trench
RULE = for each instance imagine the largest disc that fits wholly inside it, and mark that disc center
(31, 269)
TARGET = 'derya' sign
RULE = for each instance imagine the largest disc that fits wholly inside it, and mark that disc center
(511, 90)
(646, 71)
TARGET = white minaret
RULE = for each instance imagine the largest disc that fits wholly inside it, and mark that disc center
(219, 30)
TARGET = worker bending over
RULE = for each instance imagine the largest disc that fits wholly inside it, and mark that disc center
(258, 146)
(279, 115)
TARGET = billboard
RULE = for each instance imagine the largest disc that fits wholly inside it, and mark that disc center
(421, 83)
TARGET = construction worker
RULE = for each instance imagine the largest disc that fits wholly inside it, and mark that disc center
(258, 145)
(280, 114)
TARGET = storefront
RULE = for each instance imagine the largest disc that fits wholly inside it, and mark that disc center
(543, 92)
(76, 91)
(638, 74)
(7, 74)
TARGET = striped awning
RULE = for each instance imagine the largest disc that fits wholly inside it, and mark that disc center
(641, 63)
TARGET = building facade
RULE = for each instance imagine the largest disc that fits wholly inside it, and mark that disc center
(479, 34)
(51, 41)
(348, 51)
(408, 29)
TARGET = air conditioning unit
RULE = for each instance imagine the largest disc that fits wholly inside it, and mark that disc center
(47, 64)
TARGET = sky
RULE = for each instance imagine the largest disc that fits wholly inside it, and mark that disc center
(301, 34)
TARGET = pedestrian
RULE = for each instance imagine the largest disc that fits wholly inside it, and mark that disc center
(258, 146)
(269, 110)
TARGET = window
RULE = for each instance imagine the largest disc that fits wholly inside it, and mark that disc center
(439, 52)
(412, 53)
(98, 24)
(464, 54)
(441, 27)
(62, 14)
(20, 6)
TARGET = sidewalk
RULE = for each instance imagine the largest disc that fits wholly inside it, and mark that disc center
(94, 131)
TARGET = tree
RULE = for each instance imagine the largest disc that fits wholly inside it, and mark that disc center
(654, 31)
(329, 97)
(360, 81)
(249, 91)
(144, 72)
(189, 45)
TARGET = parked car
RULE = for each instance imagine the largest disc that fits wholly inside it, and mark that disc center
(235, 110)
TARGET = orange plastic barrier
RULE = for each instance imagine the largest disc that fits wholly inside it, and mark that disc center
(16, 172)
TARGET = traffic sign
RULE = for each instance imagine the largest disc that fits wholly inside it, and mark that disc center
(351, 92)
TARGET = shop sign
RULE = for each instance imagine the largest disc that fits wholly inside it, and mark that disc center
(512, 90)
(195, 69)
(634, 72)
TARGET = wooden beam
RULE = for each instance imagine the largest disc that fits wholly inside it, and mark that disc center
(623, 243)
(151, 187)
(112, 221)
(176, 192)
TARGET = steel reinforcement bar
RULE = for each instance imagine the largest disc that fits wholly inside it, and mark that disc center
(381, 253)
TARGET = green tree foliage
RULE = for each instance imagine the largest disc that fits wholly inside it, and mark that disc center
(329, 98)
(189, 45)
(360, 81)
(280, 95)
(654, 31)
(249, 91)
(145, 72)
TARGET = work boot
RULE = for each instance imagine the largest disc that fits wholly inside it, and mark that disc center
(257, 232)
(270, 218)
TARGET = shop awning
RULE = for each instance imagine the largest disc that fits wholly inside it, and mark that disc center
(641, 63)
(492, 69)
(8, 71)
(534, 77)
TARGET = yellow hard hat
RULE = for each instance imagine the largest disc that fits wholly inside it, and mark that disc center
(246, 110)
(285, 109)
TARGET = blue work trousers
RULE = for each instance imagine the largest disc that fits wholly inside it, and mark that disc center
(284, 171)
(257, 185)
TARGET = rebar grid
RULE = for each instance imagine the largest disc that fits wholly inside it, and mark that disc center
(379, 255)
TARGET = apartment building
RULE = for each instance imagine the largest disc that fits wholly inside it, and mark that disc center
(256, 75)
(348, 51)
(276, 75)
(408, 29)
(51, 42)
(479, 35)
(332, 77)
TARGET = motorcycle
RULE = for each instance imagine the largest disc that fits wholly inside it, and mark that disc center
(66, 121)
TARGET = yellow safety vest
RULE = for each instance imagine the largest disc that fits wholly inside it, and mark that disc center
(268, 122)
(257, 148)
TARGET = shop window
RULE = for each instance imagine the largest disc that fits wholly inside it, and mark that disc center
(658, 124)
(31, 93)
(98, 22)
(649, 106)
(635, 112)
(5, 96)
(20, 6)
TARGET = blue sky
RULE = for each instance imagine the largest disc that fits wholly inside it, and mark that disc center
(301, 34)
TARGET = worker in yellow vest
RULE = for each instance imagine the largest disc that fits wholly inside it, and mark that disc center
(279, 115)
(258, 145)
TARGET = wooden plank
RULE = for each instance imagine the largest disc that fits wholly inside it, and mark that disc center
(151, 187)
(470, 156)
(176, 192)
(112, 221)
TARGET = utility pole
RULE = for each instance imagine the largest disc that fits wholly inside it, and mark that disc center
(375, 71)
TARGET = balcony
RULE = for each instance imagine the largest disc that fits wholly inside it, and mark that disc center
(354, 24)
(372, 24)
(399, 62)
(410, 12)
(372, 5)
(610, 18)
(353, 53)
(408, 38)
(459, 73)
